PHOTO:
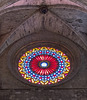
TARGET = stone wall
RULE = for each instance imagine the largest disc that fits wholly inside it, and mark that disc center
(18, 22)
(44, 94)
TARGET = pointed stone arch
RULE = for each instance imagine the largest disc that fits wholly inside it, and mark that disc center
(39, 22)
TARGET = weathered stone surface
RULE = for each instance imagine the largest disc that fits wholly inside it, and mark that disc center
(4, 2)
(42, 94)
(75, 19)
(8, 21)
(10, 82)
(80, 1)
(49, 22)
(16, 24)
(42, 2)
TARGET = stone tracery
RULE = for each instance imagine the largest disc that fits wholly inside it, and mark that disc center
(44, 65)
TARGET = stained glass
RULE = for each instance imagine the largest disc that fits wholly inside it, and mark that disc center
(44, 65)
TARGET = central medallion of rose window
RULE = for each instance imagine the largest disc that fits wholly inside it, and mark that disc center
(44, 65)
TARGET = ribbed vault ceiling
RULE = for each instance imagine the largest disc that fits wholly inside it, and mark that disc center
(36, 2)
(72, 13)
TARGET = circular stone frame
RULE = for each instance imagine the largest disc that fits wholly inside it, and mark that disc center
(47, 39)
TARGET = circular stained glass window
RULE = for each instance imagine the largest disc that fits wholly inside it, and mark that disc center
(44, 65)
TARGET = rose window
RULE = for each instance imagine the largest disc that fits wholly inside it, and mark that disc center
(44, 65)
